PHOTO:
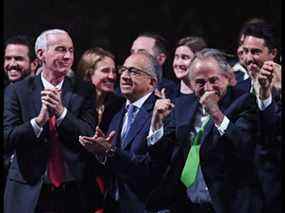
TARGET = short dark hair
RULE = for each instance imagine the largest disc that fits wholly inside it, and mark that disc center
(22, 40)
(160, 44)
(194, 43)
(260, 29)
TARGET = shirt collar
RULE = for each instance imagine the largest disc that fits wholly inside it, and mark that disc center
(48, 85)
(140, 101)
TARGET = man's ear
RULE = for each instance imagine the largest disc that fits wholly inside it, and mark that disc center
(273, 53)
(231, 77)
(161, 58)
(153, 82)
(40, 54)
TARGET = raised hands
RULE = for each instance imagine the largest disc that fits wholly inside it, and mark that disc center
(51, 105)
(268, 71)
(162, 108)
(209, 100)
(99, 144)
(52, 99)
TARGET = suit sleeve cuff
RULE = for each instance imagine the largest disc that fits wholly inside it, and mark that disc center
(61, 117)
(224, 125)
(37, 129)
(153, 137)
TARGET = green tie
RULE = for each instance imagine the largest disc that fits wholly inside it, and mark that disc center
(190, 169)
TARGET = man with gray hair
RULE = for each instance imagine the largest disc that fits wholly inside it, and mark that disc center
(212, 165)
(134, 167)
(43, 118)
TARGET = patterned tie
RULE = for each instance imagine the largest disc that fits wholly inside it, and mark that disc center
(190, 169)
(131, 109)
(55, 162)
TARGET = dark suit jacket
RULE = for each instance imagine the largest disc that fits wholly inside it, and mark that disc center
(170, 88)
(269, 156)
(136, 167)
(268, 150)
(226, 161)
(113, 104)
(22, 103)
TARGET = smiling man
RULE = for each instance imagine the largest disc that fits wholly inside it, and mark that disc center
(212, 166)
(260, 51)
(18, 58)
(43, 117)
(259, 47)
(127, 154)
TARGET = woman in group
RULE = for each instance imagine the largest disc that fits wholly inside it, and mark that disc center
(184, 52)
(97, 66)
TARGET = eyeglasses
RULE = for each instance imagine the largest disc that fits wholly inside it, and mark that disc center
(132, 71)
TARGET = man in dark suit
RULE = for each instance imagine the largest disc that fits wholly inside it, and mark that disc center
(43, 118)
(211, 168)
(134, 167)
(260, 51)
(269, 148)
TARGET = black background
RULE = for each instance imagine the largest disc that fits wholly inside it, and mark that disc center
(115, 24)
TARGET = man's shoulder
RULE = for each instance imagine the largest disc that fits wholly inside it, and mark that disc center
(22, 84)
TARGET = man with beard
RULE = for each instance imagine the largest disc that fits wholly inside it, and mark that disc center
(19, 58)
(17, 65)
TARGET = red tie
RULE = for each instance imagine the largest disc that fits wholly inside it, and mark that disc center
(55, 162)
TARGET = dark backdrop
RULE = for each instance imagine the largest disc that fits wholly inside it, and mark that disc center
(115, 24)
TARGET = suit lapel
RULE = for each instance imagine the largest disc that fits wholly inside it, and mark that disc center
(185, 119)
(141, 118)
(67, 91)
(36, 88)
(117, 126)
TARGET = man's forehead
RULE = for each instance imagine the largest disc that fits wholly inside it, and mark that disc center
(206, 66)
(16, 48)
(144, 41)
(136, 60)
(252, 41)
(59, 38)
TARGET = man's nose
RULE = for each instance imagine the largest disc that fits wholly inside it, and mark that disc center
(208, 86)
(111, 75)
(248, 57)
(68, 54)
(13, 62)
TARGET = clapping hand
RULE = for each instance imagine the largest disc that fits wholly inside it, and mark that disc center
(98, 144)
(52, 99)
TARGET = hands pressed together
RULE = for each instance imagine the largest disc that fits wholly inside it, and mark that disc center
(51, 105)
(267, 73)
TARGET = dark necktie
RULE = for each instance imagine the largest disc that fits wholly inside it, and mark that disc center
(55, 163)
(130, 118)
